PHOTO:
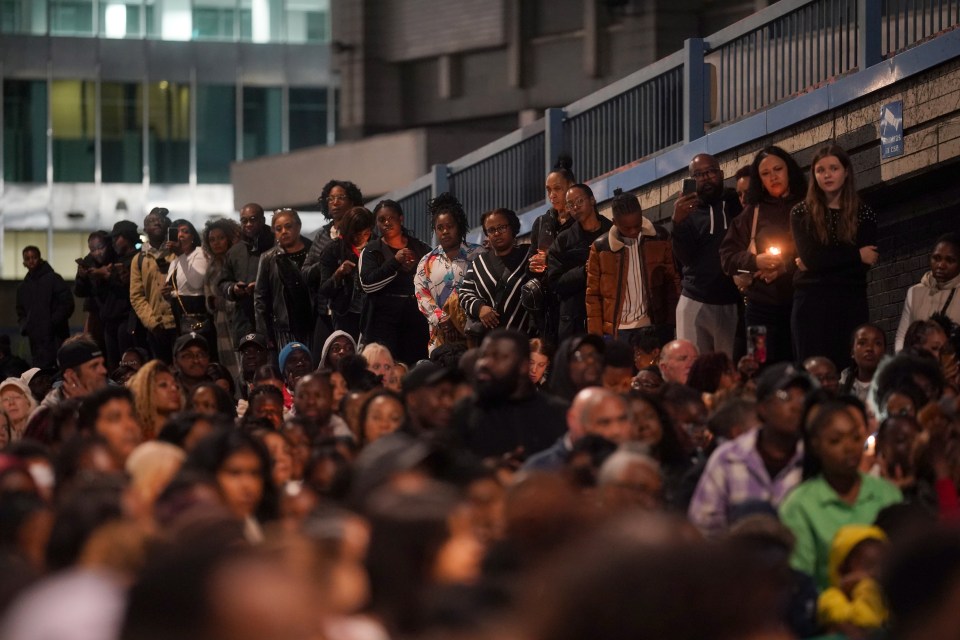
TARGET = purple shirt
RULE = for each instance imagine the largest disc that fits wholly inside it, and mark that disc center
(736, 474)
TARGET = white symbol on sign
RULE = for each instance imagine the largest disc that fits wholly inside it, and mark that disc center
(890, 126)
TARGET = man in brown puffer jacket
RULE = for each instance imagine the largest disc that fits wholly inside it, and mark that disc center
(631, 278)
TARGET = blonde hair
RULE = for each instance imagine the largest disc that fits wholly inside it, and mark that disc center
(142, 384)
(374, 349)
(151, 467)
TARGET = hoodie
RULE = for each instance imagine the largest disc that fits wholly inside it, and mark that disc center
(864, 607)
(696, 245)
(925, 299)
(329, 341)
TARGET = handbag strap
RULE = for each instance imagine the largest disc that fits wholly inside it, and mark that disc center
(176, 291)
(946, 305)
(752, 247)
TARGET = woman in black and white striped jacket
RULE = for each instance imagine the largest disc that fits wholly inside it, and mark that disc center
(490, 292)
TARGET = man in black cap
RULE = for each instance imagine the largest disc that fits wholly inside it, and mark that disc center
(428, 392)
(82, 369)
(763, 464)
(147, 279)
(507, 415)
(253, 355)
(191, 356)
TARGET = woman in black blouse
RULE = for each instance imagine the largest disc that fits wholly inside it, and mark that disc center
(836, 236)
(387, 268)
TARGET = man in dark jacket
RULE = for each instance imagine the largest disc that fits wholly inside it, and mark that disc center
(240, 268)
(707, 312)
(44, 306)
(506, 414)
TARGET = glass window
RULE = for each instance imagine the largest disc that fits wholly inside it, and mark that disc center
(73, 110)
(168, 122)
(23, 16)
(214, 20)
(308, 20)
(262, 121)
(71, 17)
(308, 117)
(121, 126)
(25, 130)
(120, 18)
(216, 133)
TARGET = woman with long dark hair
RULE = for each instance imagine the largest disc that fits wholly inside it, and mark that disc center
(387, 269)
(758, 251)
(185, 283)
(836, 237)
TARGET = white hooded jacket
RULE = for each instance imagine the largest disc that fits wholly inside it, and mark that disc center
(925, 299)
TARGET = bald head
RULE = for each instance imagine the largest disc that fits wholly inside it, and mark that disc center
(252, 220)
(825, 372)
(676, 358)
(598, 411)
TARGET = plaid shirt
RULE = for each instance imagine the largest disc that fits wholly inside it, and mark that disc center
(736, 474)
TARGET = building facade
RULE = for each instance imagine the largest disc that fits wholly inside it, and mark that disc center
(112, 107)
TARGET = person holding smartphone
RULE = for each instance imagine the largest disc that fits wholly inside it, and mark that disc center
(707, 313)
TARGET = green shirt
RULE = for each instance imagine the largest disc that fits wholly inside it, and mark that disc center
(814, 512)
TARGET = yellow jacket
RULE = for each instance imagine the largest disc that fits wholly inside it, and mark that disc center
(865, 607)
(146, 283)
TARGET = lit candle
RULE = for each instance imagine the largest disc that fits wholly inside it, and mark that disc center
(774, 251)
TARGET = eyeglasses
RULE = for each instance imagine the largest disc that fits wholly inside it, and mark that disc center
(336, 198)
(492, 231)
(706, 173)
(575, 203)
(248, 219)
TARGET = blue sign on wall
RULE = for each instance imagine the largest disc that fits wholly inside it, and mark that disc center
(891, 130)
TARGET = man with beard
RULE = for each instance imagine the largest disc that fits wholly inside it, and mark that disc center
(707, 311)
(506, 415)
(148, 274)
(313, 402)
(239, 276)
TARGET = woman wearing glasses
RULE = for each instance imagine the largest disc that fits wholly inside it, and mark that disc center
(336, 198)
(567, 259)
(490, 293)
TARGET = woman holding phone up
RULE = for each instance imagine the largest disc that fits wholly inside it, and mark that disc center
(758, 250)
(836, 237)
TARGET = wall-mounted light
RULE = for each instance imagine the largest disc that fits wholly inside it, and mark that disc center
(115, 19)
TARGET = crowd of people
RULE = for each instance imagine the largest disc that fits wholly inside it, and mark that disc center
(613, 431)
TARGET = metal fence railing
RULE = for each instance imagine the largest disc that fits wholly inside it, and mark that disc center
(511, 176)
(907, 22)
(783, 56)
(604, 131)
(782, 51)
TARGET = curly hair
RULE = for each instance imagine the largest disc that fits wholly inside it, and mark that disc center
(230, 228)
(142, 385)
(353, 192)
(447, 203)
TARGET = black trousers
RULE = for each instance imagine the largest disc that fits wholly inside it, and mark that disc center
(396, 322)
(823, 321)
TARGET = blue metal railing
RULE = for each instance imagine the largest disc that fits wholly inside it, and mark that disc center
(506, 173)
(907, 22)
(778, 53)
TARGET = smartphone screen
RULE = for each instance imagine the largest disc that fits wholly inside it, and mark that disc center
(757, 343)
(173, 234)
(689, 186)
